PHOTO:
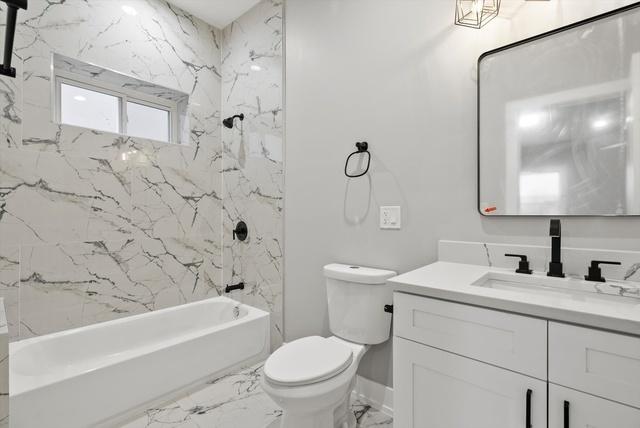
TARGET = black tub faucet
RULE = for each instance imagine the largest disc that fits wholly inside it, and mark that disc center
(555, 265)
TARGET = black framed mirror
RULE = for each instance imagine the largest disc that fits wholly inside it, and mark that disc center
(559, 121)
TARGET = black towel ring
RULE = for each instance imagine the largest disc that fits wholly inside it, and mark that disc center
(362, 147)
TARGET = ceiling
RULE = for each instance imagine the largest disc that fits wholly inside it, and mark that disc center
(218, 13)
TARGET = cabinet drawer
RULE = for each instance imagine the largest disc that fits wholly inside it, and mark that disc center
(586, 411)
(514, 342)
(597, 362)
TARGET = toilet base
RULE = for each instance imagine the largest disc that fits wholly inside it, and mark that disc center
(340, 417)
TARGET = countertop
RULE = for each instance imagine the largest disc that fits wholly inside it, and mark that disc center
(452, 281)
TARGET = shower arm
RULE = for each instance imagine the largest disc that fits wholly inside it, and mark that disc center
(12, 13)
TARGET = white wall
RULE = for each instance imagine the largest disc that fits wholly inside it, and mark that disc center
(400, 75)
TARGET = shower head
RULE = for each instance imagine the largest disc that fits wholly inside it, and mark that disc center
(228, 122)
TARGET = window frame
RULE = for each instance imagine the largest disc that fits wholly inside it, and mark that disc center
(123, 95)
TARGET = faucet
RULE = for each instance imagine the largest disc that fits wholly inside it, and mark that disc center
(555, 265)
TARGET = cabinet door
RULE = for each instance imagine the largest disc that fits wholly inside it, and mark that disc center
(437, 389)
(586, 411)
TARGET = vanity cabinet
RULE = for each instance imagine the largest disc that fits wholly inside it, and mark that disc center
(457, 365)
(442, 390)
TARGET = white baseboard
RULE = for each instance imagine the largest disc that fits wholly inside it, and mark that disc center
(374, 394)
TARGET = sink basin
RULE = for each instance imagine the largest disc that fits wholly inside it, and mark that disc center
(613, 292)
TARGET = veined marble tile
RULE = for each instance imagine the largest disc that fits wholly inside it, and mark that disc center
(9, 286)
(70, 285)
(252, 158)
(11, 102)
(49, 197)
(575, 260)
(175, 191)
(235, 401)
(252, 65)
(88, 207)
(4, 367)
(162, 45)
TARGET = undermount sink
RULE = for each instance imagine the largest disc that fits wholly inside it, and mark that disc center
(613, 292)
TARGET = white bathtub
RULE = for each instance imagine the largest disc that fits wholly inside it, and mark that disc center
(101, 374)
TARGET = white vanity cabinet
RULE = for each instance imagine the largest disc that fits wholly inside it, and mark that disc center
(457, 365)
(438, 389)
(461, 366)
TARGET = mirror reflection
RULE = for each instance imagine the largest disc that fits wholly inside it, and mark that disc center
(557, 133)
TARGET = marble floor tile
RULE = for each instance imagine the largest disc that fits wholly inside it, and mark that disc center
(235, 401)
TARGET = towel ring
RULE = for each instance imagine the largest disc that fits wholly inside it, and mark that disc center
(362, 147)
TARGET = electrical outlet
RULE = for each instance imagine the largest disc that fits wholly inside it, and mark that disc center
(390, 217)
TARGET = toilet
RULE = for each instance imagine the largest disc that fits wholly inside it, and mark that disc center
(312, 378)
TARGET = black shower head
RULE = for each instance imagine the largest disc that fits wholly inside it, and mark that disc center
(228, 122)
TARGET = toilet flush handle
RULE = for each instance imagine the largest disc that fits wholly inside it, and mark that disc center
(388, 308)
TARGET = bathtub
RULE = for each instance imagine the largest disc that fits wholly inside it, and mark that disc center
(102, 374)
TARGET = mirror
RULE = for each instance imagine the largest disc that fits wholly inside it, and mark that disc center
(559, 121)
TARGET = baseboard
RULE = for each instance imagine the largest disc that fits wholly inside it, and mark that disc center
(374, 394)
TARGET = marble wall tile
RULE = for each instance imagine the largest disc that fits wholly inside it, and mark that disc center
(50, 197)
(175, 190)
(161, 45)
(98, 225)
(252, 158)
(71, 285)
(11, 113)
(4, 368)
(9, 286)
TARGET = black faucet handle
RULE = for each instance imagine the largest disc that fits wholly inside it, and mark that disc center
(595, 263)
(595, 273)
(523, 266)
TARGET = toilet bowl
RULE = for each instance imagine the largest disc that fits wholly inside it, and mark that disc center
(319, 398)
(312, 378)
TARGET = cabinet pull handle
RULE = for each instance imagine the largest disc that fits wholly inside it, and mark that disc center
(566, 414)
(528, 421)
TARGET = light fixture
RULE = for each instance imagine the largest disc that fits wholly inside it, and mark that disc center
(476, 13)
(129, 10)
(600, 123)
(79, 98)
(530, 120)
(255, 67)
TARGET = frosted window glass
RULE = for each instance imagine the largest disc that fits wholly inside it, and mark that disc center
(147, 122)
(89, 109)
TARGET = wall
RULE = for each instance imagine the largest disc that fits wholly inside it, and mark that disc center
(96, 226)
(401, 76)
(252, 157)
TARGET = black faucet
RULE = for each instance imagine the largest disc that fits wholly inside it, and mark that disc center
(595, 273)
(555, 265)
(523, 266)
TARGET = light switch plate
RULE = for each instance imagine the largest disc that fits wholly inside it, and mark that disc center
(390, 218)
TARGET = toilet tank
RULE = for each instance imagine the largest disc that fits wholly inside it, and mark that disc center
(356, 296)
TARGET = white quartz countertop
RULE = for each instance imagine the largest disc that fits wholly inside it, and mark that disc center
(453, 282)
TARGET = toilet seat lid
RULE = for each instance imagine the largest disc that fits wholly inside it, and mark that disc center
(307, 360)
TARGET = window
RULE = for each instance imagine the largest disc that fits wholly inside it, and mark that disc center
(148, 121)
(91, 109)
(101, 99)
